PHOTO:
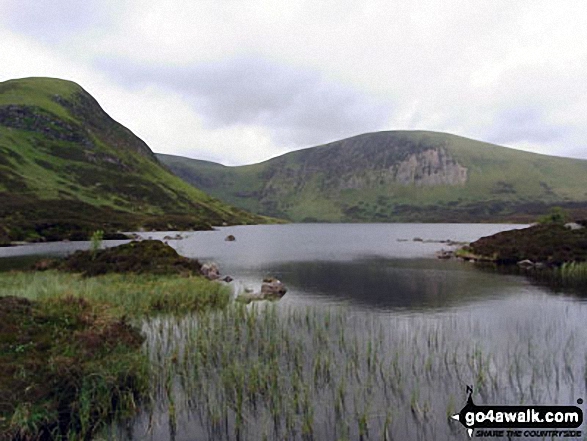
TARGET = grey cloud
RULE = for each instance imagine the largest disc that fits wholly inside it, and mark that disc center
(524, 125)
(52, 21)
(299, 107)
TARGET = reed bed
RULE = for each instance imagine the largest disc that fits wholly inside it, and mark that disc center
(265, 372)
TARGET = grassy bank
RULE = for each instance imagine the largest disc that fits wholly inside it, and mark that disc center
(70, 346)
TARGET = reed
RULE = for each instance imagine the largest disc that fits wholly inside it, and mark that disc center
(308, 373)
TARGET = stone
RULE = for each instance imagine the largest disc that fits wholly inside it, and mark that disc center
(210, 271)
(230, 238)
(272, 287)
(525, 263)
(573, 226)
(445, 254)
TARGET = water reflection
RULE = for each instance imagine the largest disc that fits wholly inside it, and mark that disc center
(391, 284)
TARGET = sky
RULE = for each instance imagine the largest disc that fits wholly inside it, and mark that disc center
(241, 81)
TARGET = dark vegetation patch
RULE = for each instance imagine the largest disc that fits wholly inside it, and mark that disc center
(502, 187)
(546, 188)
(34, 119)
(148, 256)
(272, 208)
(12, 181)
(6, 153)
(46, 165)
(552, 244)
(130, 186)
(179, 222)
(26, 218)
(65, 367)
(69, 152)
(464, 212)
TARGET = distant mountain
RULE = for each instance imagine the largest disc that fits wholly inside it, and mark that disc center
(67, 169)
(396, 176)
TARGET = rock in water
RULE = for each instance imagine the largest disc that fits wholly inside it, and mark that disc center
(230, 238)
(272, 288)
(210, 271)
(526, 263)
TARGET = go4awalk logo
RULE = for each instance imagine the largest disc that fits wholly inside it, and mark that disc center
(520, 421)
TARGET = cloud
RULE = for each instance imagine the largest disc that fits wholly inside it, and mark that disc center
(54, 21)
(250, 79)
(297, 106)
(524, 125)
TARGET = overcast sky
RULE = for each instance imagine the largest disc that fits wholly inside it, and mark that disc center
(240, 81)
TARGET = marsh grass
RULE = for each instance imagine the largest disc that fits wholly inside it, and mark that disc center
(307, 373)
(569, 277)
(211, 369)
(573, 273)
(125, 294)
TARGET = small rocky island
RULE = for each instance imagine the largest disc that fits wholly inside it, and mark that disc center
(542, 245)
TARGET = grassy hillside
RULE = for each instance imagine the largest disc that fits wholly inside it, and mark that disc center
(67, 169)
(396, 176)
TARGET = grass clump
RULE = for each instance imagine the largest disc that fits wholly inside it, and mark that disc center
(96, 241)
(569, 274)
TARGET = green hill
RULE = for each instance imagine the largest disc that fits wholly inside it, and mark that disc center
(67, 169)
(396, 176)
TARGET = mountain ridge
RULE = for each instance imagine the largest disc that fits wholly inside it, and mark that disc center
(67, 169)
(396, 176)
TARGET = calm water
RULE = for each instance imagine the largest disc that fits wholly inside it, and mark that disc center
(378, 267)
(436, 327)
(441, 324)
